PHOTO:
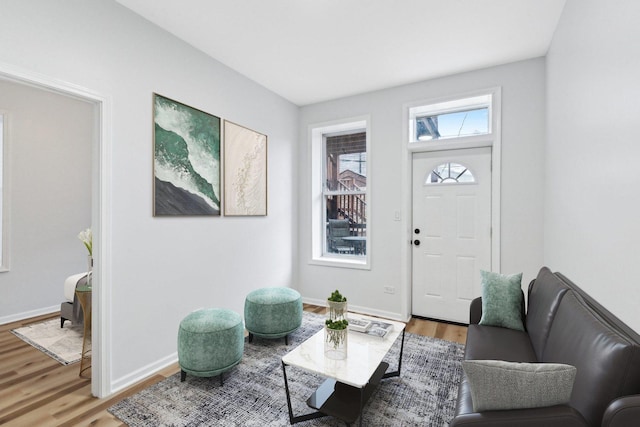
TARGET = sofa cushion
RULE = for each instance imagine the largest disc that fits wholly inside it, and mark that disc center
(500, 385)
(501, 300)
(545, 294)
(491, 342)
(608, 362)
(551, 416)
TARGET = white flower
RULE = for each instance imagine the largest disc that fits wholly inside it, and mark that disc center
(86, 237)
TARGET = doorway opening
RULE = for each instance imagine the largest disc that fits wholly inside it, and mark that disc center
(453, 163)
(451, 231)
(100, 208)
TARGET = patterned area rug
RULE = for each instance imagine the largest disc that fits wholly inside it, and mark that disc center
(62, 344)
(253, 392)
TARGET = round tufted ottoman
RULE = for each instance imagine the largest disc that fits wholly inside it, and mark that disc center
(272, 312)
(210, 342)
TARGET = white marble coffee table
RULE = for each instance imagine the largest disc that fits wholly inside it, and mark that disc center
(350, 382)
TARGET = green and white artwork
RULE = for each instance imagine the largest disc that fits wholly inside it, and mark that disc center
(245, 171)
(186, 160)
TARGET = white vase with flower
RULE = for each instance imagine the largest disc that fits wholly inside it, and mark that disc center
(86, 237)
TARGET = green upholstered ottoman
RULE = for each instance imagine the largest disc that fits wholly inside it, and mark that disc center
(210, 342)
(272, 312)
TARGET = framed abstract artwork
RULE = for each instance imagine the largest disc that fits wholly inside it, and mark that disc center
(186, 160)
(245, 171)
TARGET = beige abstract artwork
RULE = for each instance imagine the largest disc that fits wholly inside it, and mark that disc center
(245, 171)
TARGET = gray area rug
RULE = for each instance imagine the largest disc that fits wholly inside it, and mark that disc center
(62, 344)
(253, 393)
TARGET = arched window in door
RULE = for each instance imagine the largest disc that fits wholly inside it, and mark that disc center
(450, 173)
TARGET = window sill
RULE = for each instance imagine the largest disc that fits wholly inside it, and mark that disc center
(358, 263)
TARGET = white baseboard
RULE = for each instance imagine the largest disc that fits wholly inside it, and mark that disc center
(28, 314)
(361, 310)
(142, 373)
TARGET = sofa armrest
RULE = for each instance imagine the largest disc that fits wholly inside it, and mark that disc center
(622, 412)
(475, 311)
(551, 416)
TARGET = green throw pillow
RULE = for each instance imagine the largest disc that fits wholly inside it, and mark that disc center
(498, 385)
(501, 300)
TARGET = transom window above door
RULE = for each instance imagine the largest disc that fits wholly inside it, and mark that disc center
(459, 118)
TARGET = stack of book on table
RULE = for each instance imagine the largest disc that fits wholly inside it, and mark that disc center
(376, 328)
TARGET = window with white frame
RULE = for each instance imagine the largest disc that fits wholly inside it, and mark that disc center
(340, 209)
(459, 118)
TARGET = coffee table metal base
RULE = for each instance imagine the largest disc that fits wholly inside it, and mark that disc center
(344, 401)
(340, 400)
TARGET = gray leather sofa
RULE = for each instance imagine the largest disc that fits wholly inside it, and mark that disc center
(563, 325)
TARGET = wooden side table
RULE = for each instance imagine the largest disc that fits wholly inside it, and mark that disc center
(84, 296)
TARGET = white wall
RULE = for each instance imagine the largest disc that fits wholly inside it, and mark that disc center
(50, 196)
(162, 268)
(592, 196)
(523, 103)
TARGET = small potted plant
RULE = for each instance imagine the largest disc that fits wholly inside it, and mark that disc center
(337, 306)
(335, 338)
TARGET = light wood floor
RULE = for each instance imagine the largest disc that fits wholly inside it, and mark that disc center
(35, 390)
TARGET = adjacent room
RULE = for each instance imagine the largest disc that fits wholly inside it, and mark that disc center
(175, 170)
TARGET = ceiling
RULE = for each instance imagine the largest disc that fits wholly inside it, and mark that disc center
(309, 51)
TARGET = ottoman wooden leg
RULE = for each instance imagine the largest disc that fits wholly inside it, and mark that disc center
(183, 375)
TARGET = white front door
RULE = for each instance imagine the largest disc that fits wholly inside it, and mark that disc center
(451, 236)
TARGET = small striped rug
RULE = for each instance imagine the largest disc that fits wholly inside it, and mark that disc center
(62, 344)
